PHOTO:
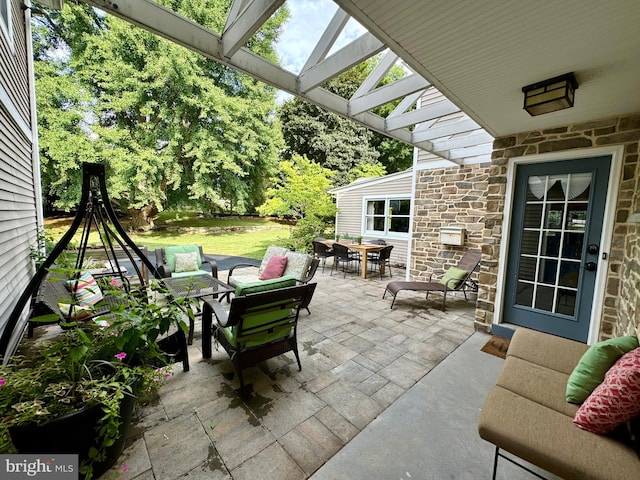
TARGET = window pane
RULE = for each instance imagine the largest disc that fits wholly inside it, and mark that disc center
(378, 224)
(399, 224)
(547, 271)
(576, 217)
(530, 242)
(556, 192)
(566, 302)
(375, 207)
(572, 247)
(569, 274)
(550, 244)
(532, 215)
(524, 295)
(544, 298)
(400, 207)
(553, 215)
(527, 270)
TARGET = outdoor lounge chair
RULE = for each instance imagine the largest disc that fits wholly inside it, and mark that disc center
(455, 279)
(169, 262)
(260, 325)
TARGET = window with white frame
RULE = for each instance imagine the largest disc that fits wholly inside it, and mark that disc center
(387, 216)
(5, 20)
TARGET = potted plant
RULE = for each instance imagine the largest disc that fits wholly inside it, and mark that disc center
(89, 373)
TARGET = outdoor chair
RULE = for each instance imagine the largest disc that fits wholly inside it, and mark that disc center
(454, 279)
(259, 326)
(184, 261)
(322, 251)
(344, 257)
(383, 259)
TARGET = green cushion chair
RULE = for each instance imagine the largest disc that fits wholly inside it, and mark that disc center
(258, 326)
(168, 264)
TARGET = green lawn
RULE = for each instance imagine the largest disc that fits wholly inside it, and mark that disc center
(250, 244)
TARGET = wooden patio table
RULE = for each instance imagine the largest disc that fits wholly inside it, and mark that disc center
(363, 249)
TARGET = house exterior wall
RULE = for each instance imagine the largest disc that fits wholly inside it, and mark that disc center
(18, 202)
(447, 197)
(621, 310)
(350, 209)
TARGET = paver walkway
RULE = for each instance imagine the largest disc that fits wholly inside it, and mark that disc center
(358, 357)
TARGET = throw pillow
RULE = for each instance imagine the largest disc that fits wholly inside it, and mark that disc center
(75, 312)
(616, 400)
(595, 362)
(454, 273)
(186, 262)
(85, 289)
(275, 267)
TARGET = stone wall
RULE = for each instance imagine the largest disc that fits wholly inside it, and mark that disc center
(621, 312)
(447, 197)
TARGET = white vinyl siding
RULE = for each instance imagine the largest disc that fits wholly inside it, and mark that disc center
(350, 219)
(18, 202)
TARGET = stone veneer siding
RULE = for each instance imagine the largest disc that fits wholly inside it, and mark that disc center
(447, 197)
(621, 311)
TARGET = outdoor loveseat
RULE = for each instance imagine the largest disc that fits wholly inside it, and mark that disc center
(527, 413)
(296, 265)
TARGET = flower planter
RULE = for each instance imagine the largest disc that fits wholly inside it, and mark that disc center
(74, 432)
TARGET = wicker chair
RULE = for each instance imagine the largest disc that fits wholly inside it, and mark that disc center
(259, 326)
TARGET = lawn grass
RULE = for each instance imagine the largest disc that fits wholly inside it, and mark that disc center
(251, 244)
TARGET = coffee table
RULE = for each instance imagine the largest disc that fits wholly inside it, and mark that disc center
(198, 287)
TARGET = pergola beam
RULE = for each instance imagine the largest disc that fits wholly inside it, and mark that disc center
(247, 22)
(247, 16)
(362, 48)
(387, 93)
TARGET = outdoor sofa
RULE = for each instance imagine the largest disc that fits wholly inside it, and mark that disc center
(298, 265)
(527, 414)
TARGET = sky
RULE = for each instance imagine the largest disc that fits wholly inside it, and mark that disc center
(308, 19)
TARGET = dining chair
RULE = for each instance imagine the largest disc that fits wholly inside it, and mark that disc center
(382, 260)
(322, 251)
(344, 257)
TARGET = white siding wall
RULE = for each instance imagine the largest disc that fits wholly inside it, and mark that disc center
(18, 221)
(350, 209)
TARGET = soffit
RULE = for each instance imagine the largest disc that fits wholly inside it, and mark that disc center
(481, 54)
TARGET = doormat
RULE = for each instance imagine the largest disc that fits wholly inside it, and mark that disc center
(496, 346)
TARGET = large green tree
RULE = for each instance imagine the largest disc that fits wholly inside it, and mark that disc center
(348, 149)
(173, 127)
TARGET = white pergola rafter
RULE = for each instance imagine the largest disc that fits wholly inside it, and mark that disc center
(421, 127)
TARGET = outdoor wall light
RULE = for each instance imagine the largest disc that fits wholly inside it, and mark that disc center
(550, 95)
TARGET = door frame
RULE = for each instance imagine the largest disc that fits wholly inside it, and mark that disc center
(608, 223)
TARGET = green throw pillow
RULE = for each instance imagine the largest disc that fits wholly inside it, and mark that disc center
(454, 273)
(590, 371)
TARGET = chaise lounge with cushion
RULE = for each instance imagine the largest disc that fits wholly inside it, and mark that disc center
(454, 279)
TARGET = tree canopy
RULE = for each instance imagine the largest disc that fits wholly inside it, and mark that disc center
(348, 149)
(172, 126)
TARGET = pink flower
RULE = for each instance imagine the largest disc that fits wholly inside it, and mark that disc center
(121, 355)
(2, 382)
(124, 468)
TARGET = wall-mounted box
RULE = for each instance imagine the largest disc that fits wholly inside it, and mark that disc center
(452, 235)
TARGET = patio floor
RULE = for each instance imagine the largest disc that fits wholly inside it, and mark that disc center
(358, 359)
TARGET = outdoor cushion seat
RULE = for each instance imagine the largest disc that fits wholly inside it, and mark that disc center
(168, 262)
(298, 266)
(455, 279)
(260, 325)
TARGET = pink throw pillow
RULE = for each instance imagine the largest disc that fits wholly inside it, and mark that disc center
(275, 268)
(616, 400)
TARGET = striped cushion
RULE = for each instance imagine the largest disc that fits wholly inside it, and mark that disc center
(85, 290)
(75, 312)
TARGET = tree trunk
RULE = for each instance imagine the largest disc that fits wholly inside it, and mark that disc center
(142, 219)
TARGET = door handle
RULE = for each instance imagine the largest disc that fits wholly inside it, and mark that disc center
(590, 266)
